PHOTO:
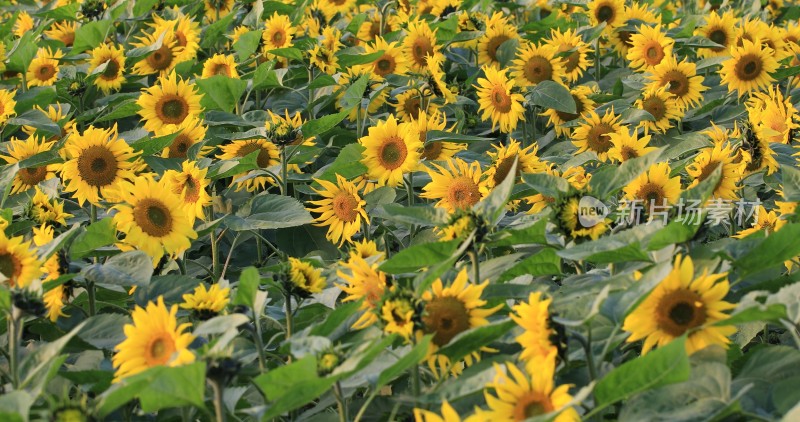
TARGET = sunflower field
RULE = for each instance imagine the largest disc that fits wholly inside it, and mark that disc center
(399, 210)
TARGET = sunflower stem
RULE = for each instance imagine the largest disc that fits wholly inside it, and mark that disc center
(219, 413)
(415, 384)
(214, 255)
(14, 334)
(597, 60)
(337, 393)
(476, 269)
(262, 361)
(284, 172)
(288, 305)
(410, 188)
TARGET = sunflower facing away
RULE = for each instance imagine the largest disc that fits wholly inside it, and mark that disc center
(749, 68)
(207, 302)
(593, 134)
(391, 150)
(153, 339)
(681, 304)
(537, 63)
(341, 209)
(170, 102)
(18, 263)
(708, 160)
(534, 318)
(153, 218)
(21, 149)
(113, 75)
(190, 185)
(305, 278)
(7, 105)
(457, 186)
(267, 156)
(497, 102)
(43, 70)
(97, 160)
(682, 81)
(364, 281)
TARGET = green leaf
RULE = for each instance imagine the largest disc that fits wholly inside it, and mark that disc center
(121, 110)
(269, 211)
(143, 6)
(35, 96)
(288, 52)
(22, 52)
(139, 52)
(790, 176)
(38, 120)
(472, 340)
(247, 44)
(612, 178)
(215, 32)
(291, 386)
(220, 324)
(425, 216)
(444, 136)
(547, 184)
(354, 93)
(68, 12)
(247, 288)
(90, 35)
(221, 92)
(323, 124)
(347, 164)
(544, 262)
(15, 405)
(6, 181)
(413, 357)
(133, 268)
(104, 331)
(552, 95)
(493, 207)
(266, 77)
(335, 319)
(98, 234)
(418, 256)
(772, 251)
(38, 367)
(533, 233)
(150, 146)
(350, 60)
(663, 366)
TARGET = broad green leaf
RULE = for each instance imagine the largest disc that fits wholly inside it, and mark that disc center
(121, 110)
(335, 319)
(35, 96)
(63, 13)
(532, 233)
(413, 357)
(552, 95)
(419, 256)
(269, 211)
(547, 184)
(38, 120)
(354, 93)
(104, 331)
(347, 164)
(214, 33)
(221, 92)
(15, 405)
(159, 387)
(19, 56)
(472, 340)
(291, 386)
(348, 60)
(791, 183)
(771, 251)
(90, 35)
(133, 268)
(612, 178)
(247, 44)
(323, 124)
(544, 262)
(288, 52)
(39, 366)
(444, 136)
(150, 146)
(493, 207)
(220, 324)
(425, 216)
(248, 287)
(7, 175)
(98, 234)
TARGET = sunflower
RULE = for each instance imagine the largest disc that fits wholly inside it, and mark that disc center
(766, 221)
(576, 62)
(364, 281)
(304, 278)
(608, 11)
(220, 64)
(593, 134)
(449, 311)
(662, 105)
(622, 33)
(420, 43)
(153, 218)
(187, 35)
(756, 152)
(457, 188)
(683, 304)
(534, 318)
(190, 185)
(391, 150)
(559, 119)
(398, 314)
(718, 28)
(323, 59)
(772, 115)
(366, 249)
(207, 302)
(217, 9)
(23, 24)
(44, 210)
(268, 154)
(682, 80)
(537, 63)
(393, 61)
(377, 24)
(54, 297)
(22, 149)
(708, 160)
(332, 7)
(341, 209)
(97, 160)
(498, 31)
(448, 415)
(749, 68)
(43, 69)
(519, 397)
(627, 145)
(649, 47)
(436, 82)
(503, 158)
(654, 188)
(460, 226)
(376, 92)
(56, 113)
(112, 76)
(190, 132)
(18, 263)
(170, 102)
(7, 105)
(720, 135)
(768, 35)
(498, 102)
(434, 150)
(567, 219)
(278, 32)
(409, 103)
(63, 31)
(162, 60)
(153, 339)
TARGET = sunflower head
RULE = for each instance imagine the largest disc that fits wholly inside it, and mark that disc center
(399, 312)
(303, 279)
(206, 303)
(328, 360)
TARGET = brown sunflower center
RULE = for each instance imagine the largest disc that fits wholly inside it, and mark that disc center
(748, 67)
(538, 69)
(393, 153)
(720, 37)
(463, 192)
(33, 175)
(653, 54)
(598, 139)
(678, 82)
(625, 37)
(566, 117)
(159, 349)
(420, 50)
(172, 109)
(432, 150)
(445, 317)
(10, 267)
(278, 38)
(345, 206)
(221, 69)
(180, 146)
(385, 65)
(503, 167)
(651, 193)
(655, 106)
(501, 99)
(160, 59)
(493, 44)
(628, 152)
(111, 71)
(533, 403)
(153, 217)
(411, 106)
(605, 13)
(708, 169)
(181, 38)
(263, 158)
(45, 72)
(679, 311)
(97, 166)
(192, 190)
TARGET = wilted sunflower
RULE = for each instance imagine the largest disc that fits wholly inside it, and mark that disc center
(683, 304)
(341, 209)
(268, 154)
(207, 302)
(498, 31)
(457, 188)
(162, 60)
(391, 150)
(662, 105)
(627, 145)
(593, 134)
(393, 61)
(22, 149)
(420, 43)
(649, 47)
(278, 32)
(96, 161)
(190, 185)
(217, 9)
(608, 11)
(63, 31)
(718, 28)
(44, 210)
(534, 318)
(43, 69)
(503, 157)
(559, 119)
(364, 281)
(654, 188)
(749, 67)
(304, 278)
(708, 160)
(170, 102)
(449, 311)
(192, 131)
(153, 339)
(7, 105)
(220, 64)
(498, 102)
(153, 218)
(682, 80)
(112, 76)
(18, 263)
(537, 63)
(576, 61)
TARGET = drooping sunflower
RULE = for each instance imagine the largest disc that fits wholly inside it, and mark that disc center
(681, 304)
(187, 35)
(267, 156)
(420, 43)
(220, 64)
(7, 104)
(112, 77)
(649, 47)
(44, 210)
(593, 134)
(718, 28)
(97, 160)
(654, 188)
(683, 81)
(450, 311)
(391, 150)
(393, 60)
(498, 31)
(170, 102)
(534, 318)
(153, 339)
(773, 116)
(434, 150)
(162, 60)
(192, 131)
(662, 105)
(576, 62)
(749, 67)
(436, 82)
(498, 102)
(18, 263)
(207, 302)
(54, 297)
(559, 119)
(341, 209)
(21, 149)
(627, 145)
(43, 69)
(608, 11)
(708, 160)
(503, 157)
(364, 281)
(217, 9)
(153, 218)
(304, 278)
(457, 187)
(537, 63)
(190, 185)
(278, 32)
(63, 31)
